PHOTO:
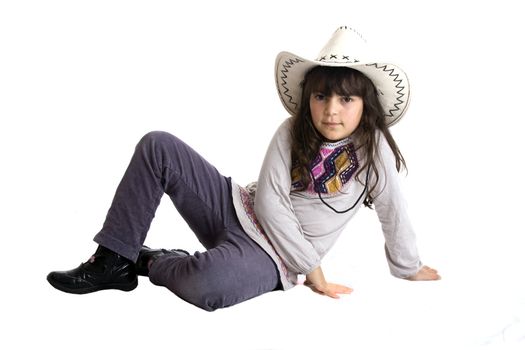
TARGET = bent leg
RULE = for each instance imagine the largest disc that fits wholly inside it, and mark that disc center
(234, 271)
(162, 163)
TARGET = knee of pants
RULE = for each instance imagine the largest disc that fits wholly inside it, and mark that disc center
(201, 294)
(153, 138)
(191, 281)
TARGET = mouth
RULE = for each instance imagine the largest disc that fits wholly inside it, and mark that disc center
(331, 124)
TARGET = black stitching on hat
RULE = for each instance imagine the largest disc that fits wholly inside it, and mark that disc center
(285, 69)
(399, 82)
(333, 56)
(346, 58)
(353, 30)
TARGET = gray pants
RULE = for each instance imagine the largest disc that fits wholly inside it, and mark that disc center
(231, 270)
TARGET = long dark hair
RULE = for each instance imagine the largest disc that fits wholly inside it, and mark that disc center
(306, 140)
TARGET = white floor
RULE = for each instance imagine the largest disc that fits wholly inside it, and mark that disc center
(468, 309)
(81, 82)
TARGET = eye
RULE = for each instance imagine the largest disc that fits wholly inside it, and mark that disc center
(318, 96)
(347, 99)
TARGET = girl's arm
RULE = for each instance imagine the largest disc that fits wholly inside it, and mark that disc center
(400, 240)
(274, 210)
(275, 213)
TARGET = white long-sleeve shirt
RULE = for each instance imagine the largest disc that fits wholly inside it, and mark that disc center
(297, 229)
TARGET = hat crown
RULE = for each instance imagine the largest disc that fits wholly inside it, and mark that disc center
(345, 46)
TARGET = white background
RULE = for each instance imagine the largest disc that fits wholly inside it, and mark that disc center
(82, 81)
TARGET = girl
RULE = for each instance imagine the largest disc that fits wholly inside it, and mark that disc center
(334, 154)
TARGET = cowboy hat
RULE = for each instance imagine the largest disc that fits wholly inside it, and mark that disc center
(346, 48)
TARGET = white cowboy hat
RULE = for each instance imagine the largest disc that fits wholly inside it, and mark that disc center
(346, 48)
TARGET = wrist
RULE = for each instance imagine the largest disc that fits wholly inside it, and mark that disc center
(316, 278)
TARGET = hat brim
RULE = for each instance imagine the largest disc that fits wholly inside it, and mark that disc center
(390, 81)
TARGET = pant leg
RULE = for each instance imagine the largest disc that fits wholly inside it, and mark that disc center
(234, 271)
(162, 163)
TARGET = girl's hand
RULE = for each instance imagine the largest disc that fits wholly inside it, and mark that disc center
(331, 290)
(425, 274)
(315, 281)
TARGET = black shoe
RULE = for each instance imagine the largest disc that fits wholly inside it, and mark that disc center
(104, 270)
(146, 254)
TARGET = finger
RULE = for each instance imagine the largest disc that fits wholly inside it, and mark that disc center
(437, 276)
(335, 293)
(429, 277)
(431, 274)
(343, 289)
(332, 295)
(427, 268)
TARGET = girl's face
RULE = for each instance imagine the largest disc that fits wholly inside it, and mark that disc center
(335, 117)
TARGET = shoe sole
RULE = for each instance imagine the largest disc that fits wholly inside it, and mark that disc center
(125, 287)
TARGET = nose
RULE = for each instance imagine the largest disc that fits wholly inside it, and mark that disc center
(331, 107)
